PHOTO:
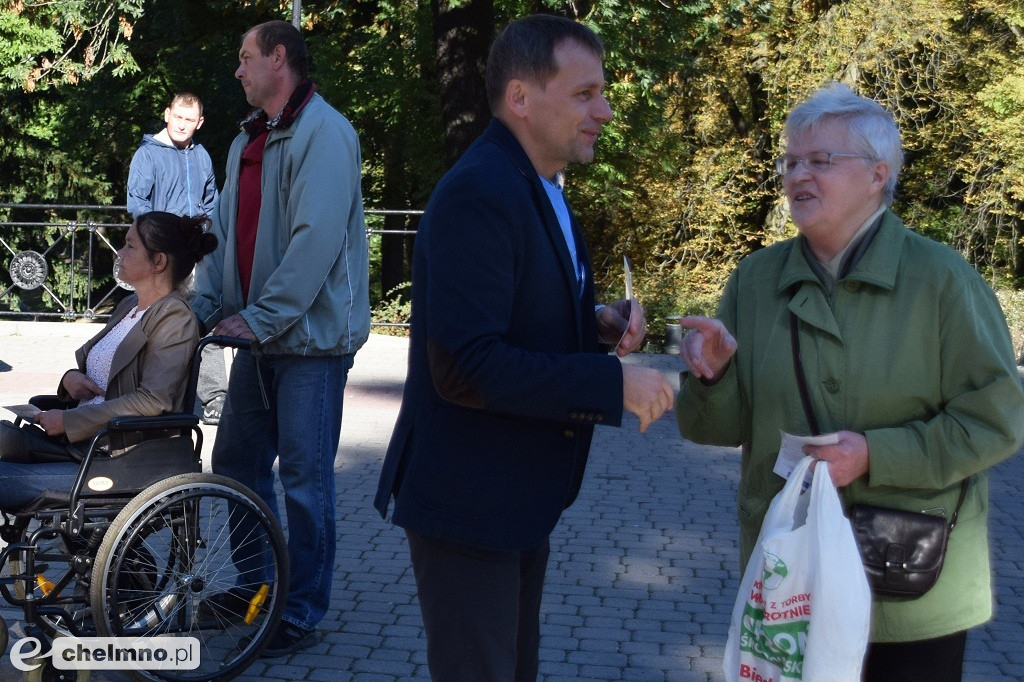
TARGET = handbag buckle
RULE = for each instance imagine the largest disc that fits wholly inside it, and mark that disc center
(895, 563)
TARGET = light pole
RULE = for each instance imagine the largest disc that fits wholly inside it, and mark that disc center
(296, 13)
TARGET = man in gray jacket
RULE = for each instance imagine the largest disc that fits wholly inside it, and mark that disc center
(291, 275)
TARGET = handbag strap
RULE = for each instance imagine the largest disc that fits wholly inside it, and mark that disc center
(801, 379)
(812, 421)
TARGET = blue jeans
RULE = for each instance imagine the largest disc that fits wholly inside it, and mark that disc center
(22, 483)
(301, 430)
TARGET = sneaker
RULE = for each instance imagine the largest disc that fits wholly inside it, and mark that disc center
(212, 410)
(231, 606)
(288, 639)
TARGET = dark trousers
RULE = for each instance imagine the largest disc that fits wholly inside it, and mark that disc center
(930, 660)
(481, 609)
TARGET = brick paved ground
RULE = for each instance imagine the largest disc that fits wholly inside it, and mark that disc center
(643, 569)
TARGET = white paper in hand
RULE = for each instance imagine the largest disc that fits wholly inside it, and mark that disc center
(26, 412)
(792, 451)
(629, 297)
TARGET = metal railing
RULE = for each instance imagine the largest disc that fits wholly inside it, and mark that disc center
(62, 268)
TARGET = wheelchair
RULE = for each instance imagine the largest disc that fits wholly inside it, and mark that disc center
(145, 544)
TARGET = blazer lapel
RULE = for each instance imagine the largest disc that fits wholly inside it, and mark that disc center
(557, 238)
(128, 350)
(500, 135)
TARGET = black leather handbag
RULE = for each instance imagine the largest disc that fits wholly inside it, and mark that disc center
(902, 551)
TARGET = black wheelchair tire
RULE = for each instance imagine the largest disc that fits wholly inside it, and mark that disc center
(116, 570)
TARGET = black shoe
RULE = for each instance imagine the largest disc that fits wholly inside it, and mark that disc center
(212, 410)
(288, 639)
(231, 606)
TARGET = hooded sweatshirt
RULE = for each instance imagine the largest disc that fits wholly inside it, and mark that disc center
(163, 177)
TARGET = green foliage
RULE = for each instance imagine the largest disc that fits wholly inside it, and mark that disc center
(1012, 302)
(394, 309)
(47, 43)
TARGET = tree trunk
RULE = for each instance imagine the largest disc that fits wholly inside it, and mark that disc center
(393, 247)
(462, 38)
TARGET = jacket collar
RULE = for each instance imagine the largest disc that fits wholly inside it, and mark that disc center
(878, 265)
(136, 339)
(257, 120)
(499, 134)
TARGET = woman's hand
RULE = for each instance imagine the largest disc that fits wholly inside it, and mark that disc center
(80, 387)
(708, 348)
(52, 422)
(847, 460)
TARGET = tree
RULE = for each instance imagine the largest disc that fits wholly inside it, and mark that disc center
(52, 42)
(463, 31)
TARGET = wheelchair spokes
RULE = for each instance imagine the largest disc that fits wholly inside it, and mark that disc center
(222, 577)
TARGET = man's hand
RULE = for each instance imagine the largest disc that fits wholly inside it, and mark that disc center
(52, 422)
(79, 386)
(646, 393)
(623, 324)
(235, 326)
(708, 349)
(847, 460)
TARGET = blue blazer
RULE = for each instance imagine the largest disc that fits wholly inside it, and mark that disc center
(506, 380)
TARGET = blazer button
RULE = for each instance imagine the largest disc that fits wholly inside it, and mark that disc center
(569, 434)
(832, 386)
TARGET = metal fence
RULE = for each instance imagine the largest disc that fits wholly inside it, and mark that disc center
(58, 263)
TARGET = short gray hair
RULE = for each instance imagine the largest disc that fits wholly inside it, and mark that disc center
(873, 128)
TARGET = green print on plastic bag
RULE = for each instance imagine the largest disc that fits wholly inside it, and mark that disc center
(776, 631)
(781, 643)
(775, 571)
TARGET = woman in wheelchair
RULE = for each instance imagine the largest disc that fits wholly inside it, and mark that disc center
(137, 365)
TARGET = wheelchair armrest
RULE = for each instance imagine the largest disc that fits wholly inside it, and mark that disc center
(49, 402)
(179, 420)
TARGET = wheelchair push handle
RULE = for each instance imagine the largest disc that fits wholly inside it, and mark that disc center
(224, 341)
(193, 379)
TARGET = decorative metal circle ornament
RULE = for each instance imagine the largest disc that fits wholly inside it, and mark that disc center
(117, 276)
(28, 270)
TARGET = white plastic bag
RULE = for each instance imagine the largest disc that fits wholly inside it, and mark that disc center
(804, 605)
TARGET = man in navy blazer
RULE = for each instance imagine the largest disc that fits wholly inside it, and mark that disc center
(506, 379)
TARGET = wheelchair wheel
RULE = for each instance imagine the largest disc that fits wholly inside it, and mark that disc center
(196, 555)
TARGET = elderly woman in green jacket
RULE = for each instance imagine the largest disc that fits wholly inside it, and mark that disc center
(907, 358)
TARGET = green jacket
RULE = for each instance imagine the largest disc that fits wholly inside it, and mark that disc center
(913, 351)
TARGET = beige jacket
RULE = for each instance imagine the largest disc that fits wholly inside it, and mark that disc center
(149, 371)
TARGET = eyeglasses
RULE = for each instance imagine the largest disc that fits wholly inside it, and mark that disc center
(815, 162)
